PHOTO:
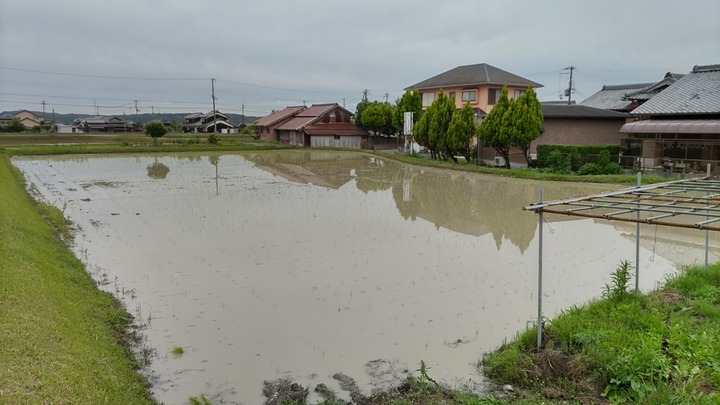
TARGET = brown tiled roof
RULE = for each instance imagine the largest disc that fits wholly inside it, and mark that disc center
(278, 116)
(295, 124)
(317, 110)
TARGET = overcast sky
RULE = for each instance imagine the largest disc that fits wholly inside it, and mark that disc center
(85, 56)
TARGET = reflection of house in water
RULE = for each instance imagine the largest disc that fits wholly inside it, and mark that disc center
(325, 169)
(465, 203)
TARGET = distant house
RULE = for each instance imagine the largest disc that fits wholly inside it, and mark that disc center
(102, 123)
(479, 84)
(5, 119)
(167, 124)
(679, 128)
(627, 97)
(266, 126)
(213, 121)
(27, 118)
(320, 125)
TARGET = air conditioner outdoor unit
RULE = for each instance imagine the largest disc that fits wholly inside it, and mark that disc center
(499, 161)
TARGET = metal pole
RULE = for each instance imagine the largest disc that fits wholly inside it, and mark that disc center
(707, 232)
(540, 255)
(637, 240)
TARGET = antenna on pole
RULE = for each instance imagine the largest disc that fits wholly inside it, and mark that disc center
(570, 88)
(212, 84)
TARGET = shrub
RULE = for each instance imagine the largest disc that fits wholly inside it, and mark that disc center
(558, 162)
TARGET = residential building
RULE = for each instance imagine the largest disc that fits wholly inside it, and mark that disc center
(102, 123)
(27, 118)
(679, 128)
(320, 125)
(627, 97)
(571, 124)
(213, 121)
(480, 85)
(266, 126)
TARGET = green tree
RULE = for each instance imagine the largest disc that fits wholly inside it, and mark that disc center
(378, 118)
(420, 130)
(15, 126)
(360, 109)
(409, 102)
(155, 130)
(440, 114)
(461, 131)
(526, 123)
(492, 128)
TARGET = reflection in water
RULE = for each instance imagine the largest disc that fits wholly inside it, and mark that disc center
(316, 262)
(157, 171)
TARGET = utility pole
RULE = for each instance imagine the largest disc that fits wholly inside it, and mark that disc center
(43, 103)
(212, 84)
(136, 109)
(386, 97)
(569, 90)
(243, 113)
(152, 108)
(343, 102)
(365, 94)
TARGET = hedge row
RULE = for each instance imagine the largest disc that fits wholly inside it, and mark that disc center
(576, 151)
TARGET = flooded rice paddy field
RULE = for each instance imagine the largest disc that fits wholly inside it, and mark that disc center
(302, 264)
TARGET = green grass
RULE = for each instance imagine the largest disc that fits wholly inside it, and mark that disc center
(62, 339)
(659, 348)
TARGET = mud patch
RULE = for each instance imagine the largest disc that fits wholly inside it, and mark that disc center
(104, 184)
(283, 391)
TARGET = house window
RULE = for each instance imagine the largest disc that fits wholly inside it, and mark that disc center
(493, 96)
(451, 96)
(518, 93)
(427, 99)
(337, 137)
(469, 95)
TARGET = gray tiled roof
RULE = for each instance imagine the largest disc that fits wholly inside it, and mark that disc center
(698, 92)
(613, 97)
(554, 110)
(471, 75)
(651, 91)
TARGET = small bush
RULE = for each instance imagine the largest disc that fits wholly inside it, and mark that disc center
(557, 162)
(213, 139)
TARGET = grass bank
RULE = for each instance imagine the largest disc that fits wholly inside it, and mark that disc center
(62, 339)
(657, 348)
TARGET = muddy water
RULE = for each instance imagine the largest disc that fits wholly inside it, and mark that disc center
(303, 264)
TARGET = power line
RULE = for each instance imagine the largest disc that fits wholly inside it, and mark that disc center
(97, 76)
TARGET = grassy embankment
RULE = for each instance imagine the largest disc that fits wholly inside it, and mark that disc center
(62, 340)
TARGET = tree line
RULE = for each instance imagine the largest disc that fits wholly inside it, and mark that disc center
(449, 132)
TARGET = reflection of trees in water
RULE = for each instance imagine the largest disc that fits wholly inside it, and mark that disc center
(461, 202)
(157, 171)
(469, 204)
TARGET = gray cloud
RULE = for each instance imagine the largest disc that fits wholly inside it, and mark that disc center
(269, 54)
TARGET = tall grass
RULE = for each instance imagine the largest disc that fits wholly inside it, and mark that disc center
(62, 340)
